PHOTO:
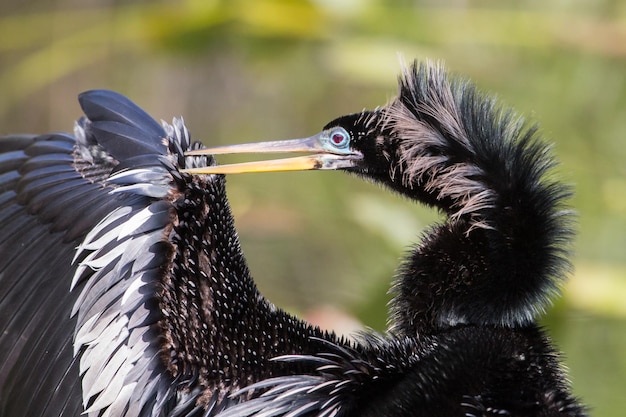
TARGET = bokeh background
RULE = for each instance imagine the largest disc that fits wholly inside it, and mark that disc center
(322, 244)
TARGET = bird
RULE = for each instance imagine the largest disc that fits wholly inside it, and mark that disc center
(124, 290)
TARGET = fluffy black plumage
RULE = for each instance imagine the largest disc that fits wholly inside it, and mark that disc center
(502, 253)
(124, 292)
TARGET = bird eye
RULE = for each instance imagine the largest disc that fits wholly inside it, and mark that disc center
(339, 138)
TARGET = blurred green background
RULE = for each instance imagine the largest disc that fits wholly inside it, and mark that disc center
(325, 245)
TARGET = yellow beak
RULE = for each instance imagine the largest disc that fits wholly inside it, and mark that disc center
(326, 155)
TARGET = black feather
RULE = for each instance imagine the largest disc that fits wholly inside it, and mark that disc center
(109, 106)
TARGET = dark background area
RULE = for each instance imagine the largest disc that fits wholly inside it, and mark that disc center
(322, 244)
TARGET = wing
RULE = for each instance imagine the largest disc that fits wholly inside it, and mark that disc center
(123, 289)
(35, 303)
(82, 220)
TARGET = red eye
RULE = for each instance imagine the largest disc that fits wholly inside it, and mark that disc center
(339, 138)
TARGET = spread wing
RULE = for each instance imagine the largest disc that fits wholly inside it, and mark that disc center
(82, 219)
(123, 289)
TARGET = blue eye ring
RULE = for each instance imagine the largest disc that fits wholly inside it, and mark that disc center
(339, 138)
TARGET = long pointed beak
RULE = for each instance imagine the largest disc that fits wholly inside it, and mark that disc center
(325, 155)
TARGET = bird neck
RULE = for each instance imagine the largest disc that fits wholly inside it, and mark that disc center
(218, 329)
(501, 253)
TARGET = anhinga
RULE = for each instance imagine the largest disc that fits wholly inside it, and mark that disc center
(124, 292)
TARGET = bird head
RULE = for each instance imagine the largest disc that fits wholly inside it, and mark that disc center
(335, 147)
